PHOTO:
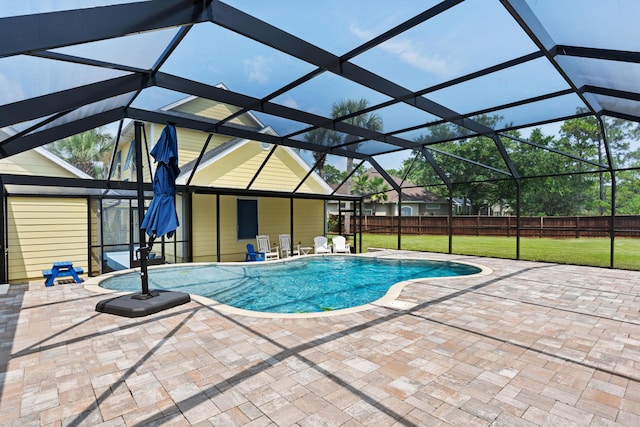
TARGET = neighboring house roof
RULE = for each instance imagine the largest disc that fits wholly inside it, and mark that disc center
(410, 193)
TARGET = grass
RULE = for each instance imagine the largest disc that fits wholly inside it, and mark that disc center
(583, 251)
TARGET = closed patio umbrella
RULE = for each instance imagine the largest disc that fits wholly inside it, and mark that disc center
(161, 217)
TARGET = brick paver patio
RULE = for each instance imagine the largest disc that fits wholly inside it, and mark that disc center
(529, 344)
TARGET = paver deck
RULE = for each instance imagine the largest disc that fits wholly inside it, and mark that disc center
(530, 344)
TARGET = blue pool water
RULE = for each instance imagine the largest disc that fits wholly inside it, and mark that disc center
(302, 285)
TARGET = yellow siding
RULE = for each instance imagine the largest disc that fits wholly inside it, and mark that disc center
(308, 220)
(45, 230)
(190, 144)
(204, 228)
(274, 217)
(214, 110)
(283, 173)
(235, 169)
(32, 163)
(230, 248)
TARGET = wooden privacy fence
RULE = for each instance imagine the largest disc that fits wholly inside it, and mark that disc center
(547, 226)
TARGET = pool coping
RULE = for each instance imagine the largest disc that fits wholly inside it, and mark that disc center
(389, 300)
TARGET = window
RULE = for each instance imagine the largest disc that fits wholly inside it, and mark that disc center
(116, 173)
(247, 219)
(131, 156)
(406, 211)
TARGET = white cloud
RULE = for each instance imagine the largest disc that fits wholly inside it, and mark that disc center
(407, 52)
(289, 102)
(258, 68)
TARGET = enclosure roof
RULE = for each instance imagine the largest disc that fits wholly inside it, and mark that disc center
(70, 66)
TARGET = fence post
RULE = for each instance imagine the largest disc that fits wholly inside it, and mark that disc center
(541, 226)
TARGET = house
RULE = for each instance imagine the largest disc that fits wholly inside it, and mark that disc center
(231, 165)
(233, 196)
(416, 201)
(41, 230)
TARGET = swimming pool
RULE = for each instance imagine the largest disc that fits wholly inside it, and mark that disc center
(308, 284)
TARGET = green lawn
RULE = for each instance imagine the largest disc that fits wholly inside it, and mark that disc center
(584, 251)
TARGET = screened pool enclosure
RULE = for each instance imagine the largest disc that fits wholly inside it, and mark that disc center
(515, 108)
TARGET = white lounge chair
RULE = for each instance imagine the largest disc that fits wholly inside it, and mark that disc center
(264, 246)
(286, 250)
(340, 245)
(321, 246)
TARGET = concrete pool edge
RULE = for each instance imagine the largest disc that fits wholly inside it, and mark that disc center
(389, 300)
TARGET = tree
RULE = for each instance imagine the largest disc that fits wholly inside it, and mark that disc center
(369, 121)
(333, 175)
(375, 188)
(343, 111)
(321, 136)
(88, 151)
(582, 136)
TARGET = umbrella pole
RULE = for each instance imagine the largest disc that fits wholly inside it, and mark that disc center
(143, 251)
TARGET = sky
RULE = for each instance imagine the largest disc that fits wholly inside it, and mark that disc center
(426, 55)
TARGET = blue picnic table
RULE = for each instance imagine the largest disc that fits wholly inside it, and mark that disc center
(62, 269)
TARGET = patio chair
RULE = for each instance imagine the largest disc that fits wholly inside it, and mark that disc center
(264, 246)
(252, 255)
(340, 245)
(320, 245)
(286, 250)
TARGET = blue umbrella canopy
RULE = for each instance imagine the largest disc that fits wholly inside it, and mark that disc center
(161, 217)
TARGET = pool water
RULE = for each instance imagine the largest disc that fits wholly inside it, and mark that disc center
(302, 285)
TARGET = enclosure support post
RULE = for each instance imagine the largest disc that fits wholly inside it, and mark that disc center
(399, 219)
(4, 251)
(612, 225)
(360, 227)
(140, 186)
(218, 258)
(188, 206)
(518, 215)
(291, 225)
(450, 225)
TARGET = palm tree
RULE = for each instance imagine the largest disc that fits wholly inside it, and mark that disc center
(375, 188)
(369, 121)
(321, 136)
(88, 151)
